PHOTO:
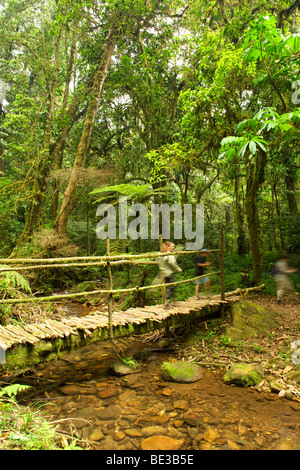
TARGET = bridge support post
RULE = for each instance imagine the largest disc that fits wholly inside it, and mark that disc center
(110, 295)
(222, 263)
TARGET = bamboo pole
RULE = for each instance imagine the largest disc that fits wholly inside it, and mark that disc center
(88, 259)
(53, 298)
(110, 295)
(222, 263)
(72, 265)
(162, 279)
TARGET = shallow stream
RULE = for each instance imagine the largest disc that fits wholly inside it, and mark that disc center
(108, 412)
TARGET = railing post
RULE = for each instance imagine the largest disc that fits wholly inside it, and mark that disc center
(162, 279)
(222, 263)
(110, 295)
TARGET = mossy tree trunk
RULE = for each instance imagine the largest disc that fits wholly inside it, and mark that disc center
(83, 145)
(255, 177)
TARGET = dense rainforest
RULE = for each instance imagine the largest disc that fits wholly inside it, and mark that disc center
(162, 102)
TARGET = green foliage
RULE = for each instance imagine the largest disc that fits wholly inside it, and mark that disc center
(10, 281)
(137, 193)
(12, 284)
(130, 362)
(23, 428)
(26, 428)
(12, 390)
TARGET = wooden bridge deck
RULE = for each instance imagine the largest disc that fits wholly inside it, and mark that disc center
(27, 344)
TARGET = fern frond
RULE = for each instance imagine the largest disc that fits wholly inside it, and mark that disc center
(139, 193)
(15, 279)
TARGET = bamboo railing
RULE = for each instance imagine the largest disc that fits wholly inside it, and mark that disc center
(107, 260)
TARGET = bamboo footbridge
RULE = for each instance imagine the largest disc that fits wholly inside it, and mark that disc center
(25, 344)
(28, 344)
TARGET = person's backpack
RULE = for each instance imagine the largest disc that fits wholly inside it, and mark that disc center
(274, 270)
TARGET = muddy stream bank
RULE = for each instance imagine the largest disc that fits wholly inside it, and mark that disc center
(142, 410)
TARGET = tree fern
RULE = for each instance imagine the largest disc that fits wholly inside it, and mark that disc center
(13, 390)
(14, 280)
(138, 193)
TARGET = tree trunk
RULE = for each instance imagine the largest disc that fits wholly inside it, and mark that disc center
(40, 184)
(291, 191)
(83, 145)
(241, 238)
(273, 224)
(255, 177)
(254, 236)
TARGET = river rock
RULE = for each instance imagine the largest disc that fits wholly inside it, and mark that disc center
(110, 412)
(109, 444)
(153, 430)
(108, 392)
(244, 374)
(192, 418)
(249, 319)
(210, 435)
(161, 443)
(285, 444)
(119, 368)
(96, 435)
(275, 386)
(294, 376)
(183, 372)
(151, 420)
(77, 390)
(181, 405)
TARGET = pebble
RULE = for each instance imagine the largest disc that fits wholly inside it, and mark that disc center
(161, 443)
(108, 392)
(160, 419)
(110, 412)
(96, 435)
(153, 430)
(119, 435)
(233, 445)
(132, 432)
(210, 435)
(181, 404)
(192, 418)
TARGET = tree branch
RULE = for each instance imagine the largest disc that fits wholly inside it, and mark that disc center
(286, 12)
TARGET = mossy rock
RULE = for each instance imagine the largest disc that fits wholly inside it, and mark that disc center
(249, 319)
(183, 372)
(294, 376)
(275, 387)
(120, 368)
(244, 374)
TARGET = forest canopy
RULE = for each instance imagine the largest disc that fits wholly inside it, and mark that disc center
(163, 102)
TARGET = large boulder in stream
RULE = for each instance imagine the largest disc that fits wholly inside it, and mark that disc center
(249, 319)
(244, 374)
(183, 372)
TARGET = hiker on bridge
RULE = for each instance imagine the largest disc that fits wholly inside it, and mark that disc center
(168, 267)
(201, 263)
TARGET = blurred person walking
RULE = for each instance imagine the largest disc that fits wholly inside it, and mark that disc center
(201, 263)
(168, 267)
(281, 273)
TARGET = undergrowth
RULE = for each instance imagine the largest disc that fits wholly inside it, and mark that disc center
(26, 428)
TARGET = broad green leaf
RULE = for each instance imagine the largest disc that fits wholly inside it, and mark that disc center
(252, 147)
